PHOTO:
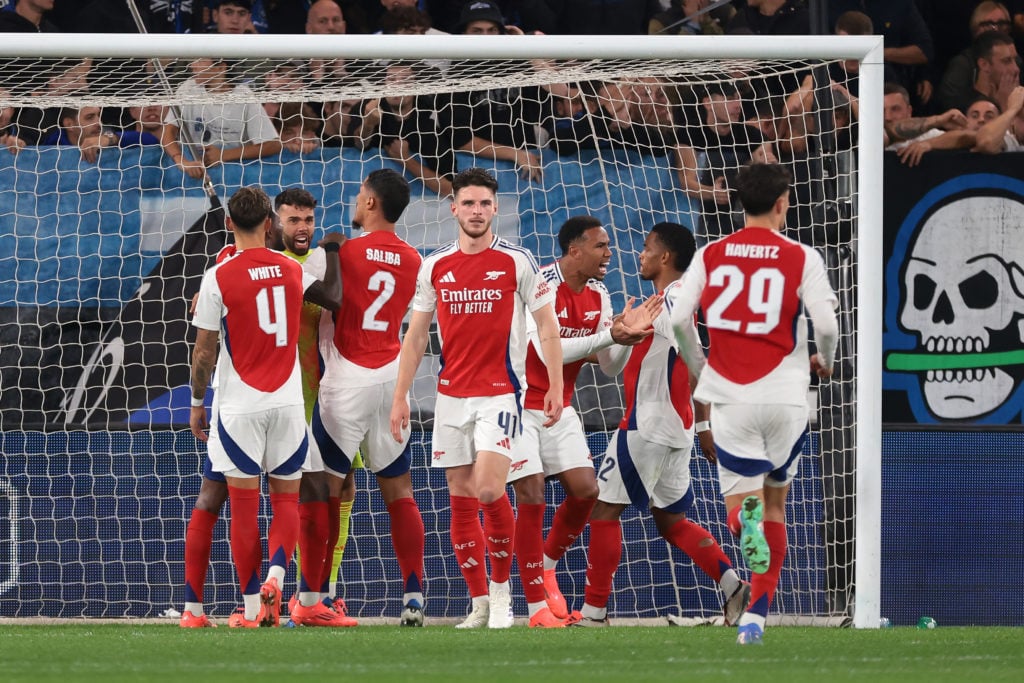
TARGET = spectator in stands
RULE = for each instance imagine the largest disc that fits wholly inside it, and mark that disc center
(956, 88)
(996, 72)
(912, 137)
(299, 127)
(28, 16)
(771, 18)
(502, 121)
(232, 16)
(145, 126)
(631, 116)
(681, 19)
(325, 17)
(406, 21)
(715, 131)
(285, 77)
(337, 128)
(411, 130)
(1003, 132)
(587, 17)
(908, 42)
(82, 128)
(216, 133)
(176, 16)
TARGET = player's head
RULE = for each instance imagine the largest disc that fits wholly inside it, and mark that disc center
(584, 241)
(475, 201)
(763, 190)
(667, 246)
(384, 190)
(295, 221)
(249, 210)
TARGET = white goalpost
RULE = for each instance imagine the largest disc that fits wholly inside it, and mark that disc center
(104, 235)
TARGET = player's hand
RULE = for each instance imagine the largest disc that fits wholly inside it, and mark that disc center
(818, 368)
(634, 324)
(338, 238)
(197, 421)
(707, 446)
(399, 418)
(553, 406)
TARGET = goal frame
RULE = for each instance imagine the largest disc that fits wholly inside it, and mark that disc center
(868, 50)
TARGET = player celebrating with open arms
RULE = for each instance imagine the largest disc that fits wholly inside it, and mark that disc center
(648, 458)
(481, 287)
(250, 303)
(754, 287)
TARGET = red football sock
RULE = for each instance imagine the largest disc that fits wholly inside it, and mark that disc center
(530, 550)
(198, 539)
(701, 546)
(333, 532)
(245, 537)
(500, 532)
(603, 557)
(407, 537)
(284, 528)
(468, 542)
(313, 531)
(762, 586)
(570, 518)
(733, 521)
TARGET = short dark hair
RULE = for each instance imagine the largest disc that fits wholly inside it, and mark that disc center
(249, 207)
(678, 240)
(476, 177)
(987, 41)
(854, 23)
(891, 88)
(759, 186)
(573, 230)
(295, 196)
(392, 189)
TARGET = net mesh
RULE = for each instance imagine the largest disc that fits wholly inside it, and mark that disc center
(106, 236)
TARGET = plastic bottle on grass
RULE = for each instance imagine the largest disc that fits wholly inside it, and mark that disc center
(927, 623)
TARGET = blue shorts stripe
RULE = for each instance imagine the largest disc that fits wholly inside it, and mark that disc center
(401, 464)
(295, 461)
(242, 462)
(208, 472)
(683, 505)
(782, 473)
(627, 470)
(745, 467)
(334, 458)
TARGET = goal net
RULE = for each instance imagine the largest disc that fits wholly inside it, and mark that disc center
(105, 234)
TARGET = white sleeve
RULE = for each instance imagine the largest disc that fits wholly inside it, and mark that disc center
(425, 298)
(533, 289)
(820, 302)
(316, 263)
(612, 357)
(683, 300)
(209, 304)
(308, 280)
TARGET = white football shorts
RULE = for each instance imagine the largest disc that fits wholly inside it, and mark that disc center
(560, 447)
(274, 441)
(758, 444)
(358, 419)
(646, 474)
(464, 426)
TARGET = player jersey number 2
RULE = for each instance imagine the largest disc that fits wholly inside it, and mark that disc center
(764, 299)
(384, 282)
(276, 324)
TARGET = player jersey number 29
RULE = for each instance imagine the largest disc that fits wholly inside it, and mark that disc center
(276, 324)
(764, 298)
(384, 282)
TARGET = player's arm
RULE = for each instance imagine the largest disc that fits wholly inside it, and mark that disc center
(204, 358)
(327, 292)
(820, 302)
(683, 305)
(702, 420)
(414, 345)
(551, 352)
(629, 328)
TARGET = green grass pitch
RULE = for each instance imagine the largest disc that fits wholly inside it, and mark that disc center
(369, 654)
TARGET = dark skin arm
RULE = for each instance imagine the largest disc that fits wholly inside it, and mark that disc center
(327, 292)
